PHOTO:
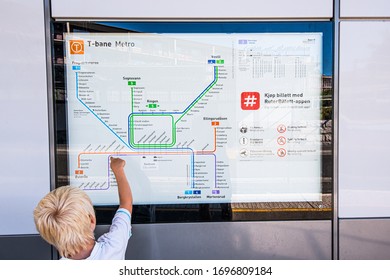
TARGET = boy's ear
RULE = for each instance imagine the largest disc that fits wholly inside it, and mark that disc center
(93, 221)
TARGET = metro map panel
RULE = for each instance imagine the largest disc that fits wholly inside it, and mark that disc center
(199, 118)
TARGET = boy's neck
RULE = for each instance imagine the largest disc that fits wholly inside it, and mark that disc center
(82, 255)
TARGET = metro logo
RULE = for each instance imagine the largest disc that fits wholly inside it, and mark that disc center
(250, 101)
(76, 46)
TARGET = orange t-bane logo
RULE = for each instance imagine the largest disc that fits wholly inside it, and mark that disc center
(76, 46)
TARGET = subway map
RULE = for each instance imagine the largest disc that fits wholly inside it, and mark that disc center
(198, 118)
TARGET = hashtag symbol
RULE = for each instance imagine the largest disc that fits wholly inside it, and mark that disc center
(250, 100)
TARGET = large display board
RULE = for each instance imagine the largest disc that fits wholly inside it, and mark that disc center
(199, 118)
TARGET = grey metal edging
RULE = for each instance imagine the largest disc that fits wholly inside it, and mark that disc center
(192, 19)
(49, 82)
(336, 73)
(50, 99)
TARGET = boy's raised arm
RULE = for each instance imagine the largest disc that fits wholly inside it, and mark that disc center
(124, 190)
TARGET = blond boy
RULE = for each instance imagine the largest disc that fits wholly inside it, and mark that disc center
(65, 218)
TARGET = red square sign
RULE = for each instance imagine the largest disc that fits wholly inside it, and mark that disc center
(250, 101)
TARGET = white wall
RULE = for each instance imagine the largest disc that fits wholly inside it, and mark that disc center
(364, 177)
(24, 146)
(206, 9)
(364, 8)
(364, 180)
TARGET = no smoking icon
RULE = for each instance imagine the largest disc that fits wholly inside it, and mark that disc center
(281, 128)
(281, 140)
(282, 152)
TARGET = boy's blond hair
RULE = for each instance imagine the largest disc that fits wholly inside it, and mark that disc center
(63, 218)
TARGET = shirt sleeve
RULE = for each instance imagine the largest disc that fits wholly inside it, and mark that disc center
(114, 242)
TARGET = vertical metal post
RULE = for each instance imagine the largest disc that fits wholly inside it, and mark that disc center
(50, 98)
(336, 58)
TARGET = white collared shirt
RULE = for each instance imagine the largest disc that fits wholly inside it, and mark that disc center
(112, 245)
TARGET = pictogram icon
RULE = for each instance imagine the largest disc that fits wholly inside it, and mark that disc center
(76, 46)
(282, 152)
(281, 128)
(250, 101)
(281, 140)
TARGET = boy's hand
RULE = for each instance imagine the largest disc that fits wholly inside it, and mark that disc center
(117, 164)
(125, 195)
